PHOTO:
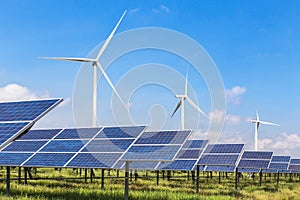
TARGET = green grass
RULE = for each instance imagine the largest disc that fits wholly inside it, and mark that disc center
(145, 188)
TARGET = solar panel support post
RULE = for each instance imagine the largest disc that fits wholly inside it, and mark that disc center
(135, 175)
(126, 192)
(25, 175)
(163, 174)
(102, 178)
(118, 173)
(188, 175)
(260, 177)
(7, 181)
(85, 175)
(236, 178)
(193, 177)
(157, 177)
(91, 175)
(19, 174)
(277, 179)
(197, 181)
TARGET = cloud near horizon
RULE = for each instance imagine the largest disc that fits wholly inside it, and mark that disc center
(282, 142)
(234, 94)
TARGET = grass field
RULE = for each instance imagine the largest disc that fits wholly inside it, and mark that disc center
(70, 185)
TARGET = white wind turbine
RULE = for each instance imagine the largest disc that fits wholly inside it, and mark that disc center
(181, 103)
(257, 123)
(95, 63)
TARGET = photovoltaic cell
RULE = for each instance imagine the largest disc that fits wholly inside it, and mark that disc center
(208, 159)
(64, 146)
(78, 133)
(279, 166)
(94, 160)
(40, 134)
(256, 164)
(257, 155)
(224, 148)
(284, 159)
(248, 170)
(163, 137)
(295, 161)
(24, 146)
(189, 154)
(49, 160)
(13, 159)
(141, 165)
(25, 110)
(195, 144)
(151, 153)
(121, 132)
(213, 168)
(114, 145)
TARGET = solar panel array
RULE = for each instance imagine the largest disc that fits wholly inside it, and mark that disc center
(254, 161)
(156, 146)
(279, 164)
(294, 165)
(221, 157)
(18, 117)
(83, 147)
(187, 157)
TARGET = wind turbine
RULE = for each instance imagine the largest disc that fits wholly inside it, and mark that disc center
(95, 63)
(257, 123)
(181, 103)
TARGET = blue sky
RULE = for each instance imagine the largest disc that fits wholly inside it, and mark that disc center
(255, 45)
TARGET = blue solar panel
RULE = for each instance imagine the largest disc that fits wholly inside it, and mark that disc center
(26, 110)
(248, 170)
(25, 146)
(114, 145)
(151, 153)
(224, 148)
(224, 159)
(189, 154)
(257, 155)
(63, 146)
(178, 165)
(195, 144)
(294, 168)
(163, 137)
(256, 164)
(9, 131)
(121, 132)
(142, 165)
(94, 160)
(278, 166)
(13, 159)
(78, 133)
(39, 134)
(49, 160)
(220, 168)
(295, 161)
(285, 159)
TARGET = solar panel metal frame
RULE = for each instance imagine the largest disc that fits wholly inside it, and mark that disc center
(294, 165)
(253, 169)
(275, 161)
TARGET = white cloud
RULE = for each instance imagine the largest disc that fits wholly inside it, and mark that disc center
(234, 94)
(283, 142)
(14, 92)
(162, 8)
(233, 119)
(217, 115)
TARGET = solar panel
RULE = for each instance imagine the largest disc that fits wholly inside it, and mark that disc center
(255, 160)
(278, 164)
(39, 134)
(26, 110)
(294, 165)
(10, 130)
(213, 168)
(248, 170)
(53, 148)
(154, 146)
(94, 160)
(13, 159)
(78, 133)
(295, 161)
(281, 159)
(140, 165)
(207, 159)
(121, 132)
(224, 148)
(187, 157)
(49, 160)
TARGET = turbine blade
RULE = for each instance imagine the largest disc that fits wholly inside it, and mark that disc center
(109, 38)
(257, 117)
(177, 107)
(268, 123)
(195, 106)
(69, 59)
(110, 83)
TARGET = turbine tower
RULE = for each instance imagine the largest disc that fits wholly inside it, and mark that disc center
(181, 103)
(96, 64)
(257, 123)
